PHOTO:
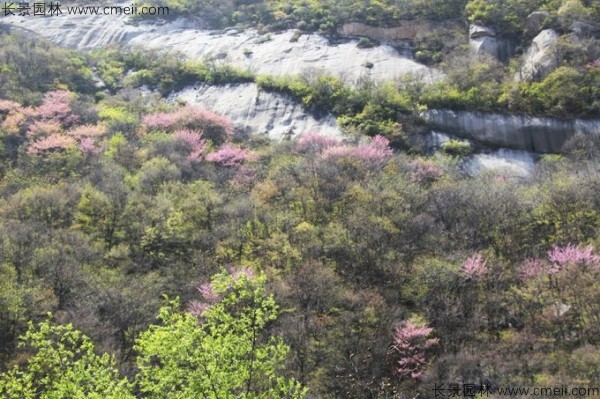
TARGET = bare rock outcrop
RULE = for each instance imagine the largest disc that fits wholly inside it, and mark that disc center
(535, 22)
(406, 30)
(483, 40)
(254, 111)
(543, 135)
(275, 54)
(539, 60)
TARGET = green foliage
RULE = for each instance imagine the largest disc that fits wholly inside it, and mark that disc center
(365, 42)
(508, 16)
(118, 119)
(224, 354)
(31, 67)
(565, 92)
(350, 248)
(457, 148)
(63, 365)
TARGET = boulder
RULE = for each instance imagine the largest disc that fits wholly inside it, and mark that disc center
(483, 40)
(584, 30)
(476, 31)
(535, 22)
(485, 45)
(539, 60)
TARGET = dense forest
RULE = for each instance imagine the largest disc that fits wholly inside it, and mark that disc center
(150, 250)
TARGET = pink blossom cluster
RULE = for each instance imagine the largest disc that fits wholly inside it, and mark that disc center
(87, 131)
(46, 126)
(188, 117)
(207, 292)
(210, 297)
(15, 116)
(376, 152)
(532, 268)
(52, 142)
(573, 255)
(194, 142)
(559, 258)
(48, 135)
(43, 128)
(313, 142)
(87, 146)
(57, 107)
(423, 171)
(244, 176)
(7, 106)
(197, 308)
(474, 266)
(237, 272)
(409, 348)
(227, 155)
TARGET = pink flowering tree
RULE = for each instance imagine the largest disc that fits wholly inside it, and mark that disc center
(560, 293)
(215, 127)
(57, 107)
(43, 128)
(88, 147)
(475, 266)
(46, 135)
(229, 156)
(315, 143)
(244, 177)
(532, 268)
(15, 117)
(573, 255)
(82, 131)
(411, 345)
(375, 153)
(213, 292)
(51, 143)
(193, 142)
(7, 107)
(425, 172)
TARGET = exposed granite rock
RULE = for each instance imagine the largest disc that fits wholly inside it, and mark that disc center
(587, 35)
(476, 31)
(584, 29)
(544, 135)
(276, 56)
(255, 111)
(483, 40)
(539, 60)
(406, 30)
(535, 22)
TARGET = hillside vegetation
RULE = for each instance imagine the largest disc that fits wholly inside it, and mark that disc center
(148, 250)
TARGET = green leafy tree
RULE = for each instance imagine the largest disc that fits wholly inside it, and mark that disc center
(64, 366)
(221, 351)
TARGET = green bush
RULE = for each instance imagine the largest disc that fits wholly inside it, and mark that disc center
(457, 148)
(365, 42)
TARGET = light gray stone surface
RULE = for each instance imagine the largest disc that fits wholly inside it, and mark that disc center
(543, 135)
(248, 49)
(254, 111)
(539, 60)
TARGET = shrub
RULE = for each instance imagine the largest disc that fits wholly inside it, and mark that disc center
(456, 148)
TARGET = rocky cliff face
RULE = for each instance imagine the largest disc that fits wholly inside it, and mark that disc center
(406, 30)
(270, 54)
(254, 111)
(544, 135)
